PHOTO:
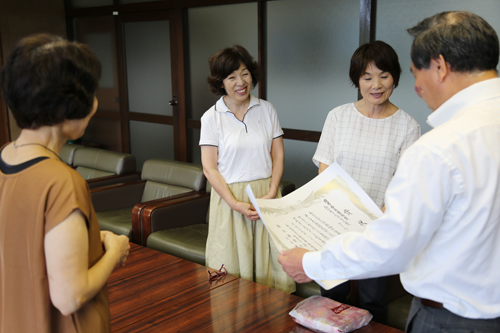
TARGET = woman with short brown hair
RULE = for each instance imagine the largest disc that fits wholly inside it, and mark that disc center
(241, 143)
(54, 260)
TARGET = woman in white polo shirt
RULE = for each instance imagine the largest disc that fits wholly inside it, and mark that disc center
(241, 143)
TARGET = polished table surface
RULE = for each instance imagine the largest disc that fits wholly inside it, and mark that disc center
(157, 292)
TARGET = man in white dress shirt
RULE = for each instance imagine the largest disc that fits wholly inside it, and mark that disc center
(441, 227)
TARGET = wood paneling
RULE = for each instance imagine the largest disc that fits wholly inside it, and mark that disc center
(4, 118)
(178, 85)
(151, 118)
(19, 19)
(206, 3)
(367, 10)
(122, 85)
(290, 133)
(179, 57)
(301, 135)
(128, 8)
(262, 44)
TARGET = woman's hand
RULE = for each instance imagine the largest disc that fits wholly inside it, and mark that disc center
(246, 209)
(114, 243)
(271, 195)
(209, 161)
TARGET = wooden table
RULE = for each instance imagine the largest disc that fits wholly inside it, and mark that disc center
(157, 292)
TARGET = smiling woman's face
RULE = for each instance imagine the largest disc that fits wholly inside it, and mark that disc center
(238, 84)
(375, 85)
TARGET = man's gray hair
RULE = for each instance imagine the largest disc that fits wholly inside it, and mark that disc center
(465, 40)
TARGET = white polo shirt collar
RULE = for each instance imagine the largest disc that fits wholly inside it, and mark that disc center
(220, 106)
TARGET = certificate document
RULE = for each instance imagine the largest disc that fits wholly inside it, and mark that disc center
(327, 206)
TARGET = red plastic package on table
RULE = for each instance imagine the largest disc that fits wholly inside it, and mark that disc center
(322, 314)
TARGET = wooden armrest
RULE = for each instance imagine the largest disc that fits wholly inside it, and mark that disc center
(138, 210)
(114, 179)
(117, 196)
(171, 213)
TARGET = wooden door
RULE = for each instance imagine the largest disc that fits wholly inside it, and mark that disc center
(141, 96)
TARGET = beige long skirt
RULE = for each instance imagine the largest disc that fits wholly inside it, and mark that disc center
(244, 246)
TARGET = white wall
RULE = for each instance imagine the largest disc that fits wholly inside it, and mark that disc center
(309, 46)
(395, 16)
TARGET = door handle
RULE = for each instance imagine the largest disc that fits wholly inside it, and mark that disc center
(173, 102)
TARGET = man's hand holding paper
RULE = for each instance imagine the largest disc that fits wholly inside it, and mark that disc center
(291, 260)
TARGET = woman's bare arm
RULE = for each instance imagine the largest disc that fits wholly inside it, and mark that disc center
(209, 161)
(71, 282)
(322, 167)
(278, 157)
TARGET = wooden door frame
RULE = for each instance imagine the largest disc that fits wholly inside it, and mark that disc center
(4, 113)
(178, 118)
(367, 11)
(171, 11)
(178, 31)
(177, 55)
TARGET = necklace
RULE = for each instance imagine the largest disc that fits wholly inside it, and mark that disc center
(36, 144)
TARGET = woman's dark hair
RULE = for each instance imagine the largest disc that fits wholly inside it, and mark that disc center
(227, 61)
(379, 53)
(465, 40)
(47, 79)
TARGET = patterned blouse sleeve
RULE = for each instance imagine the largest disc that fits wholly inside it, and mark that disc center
(326, 145)
(412, 135)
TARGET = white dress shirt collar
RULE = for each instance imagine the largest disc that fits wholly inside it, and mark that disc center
(469, 96)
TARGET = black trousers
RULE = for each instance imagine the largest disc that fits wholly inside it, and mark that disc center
(424, 319)
(372, 296)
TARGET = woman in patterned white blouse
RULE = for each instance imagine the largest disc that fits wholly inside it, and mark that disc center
(367, 138)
